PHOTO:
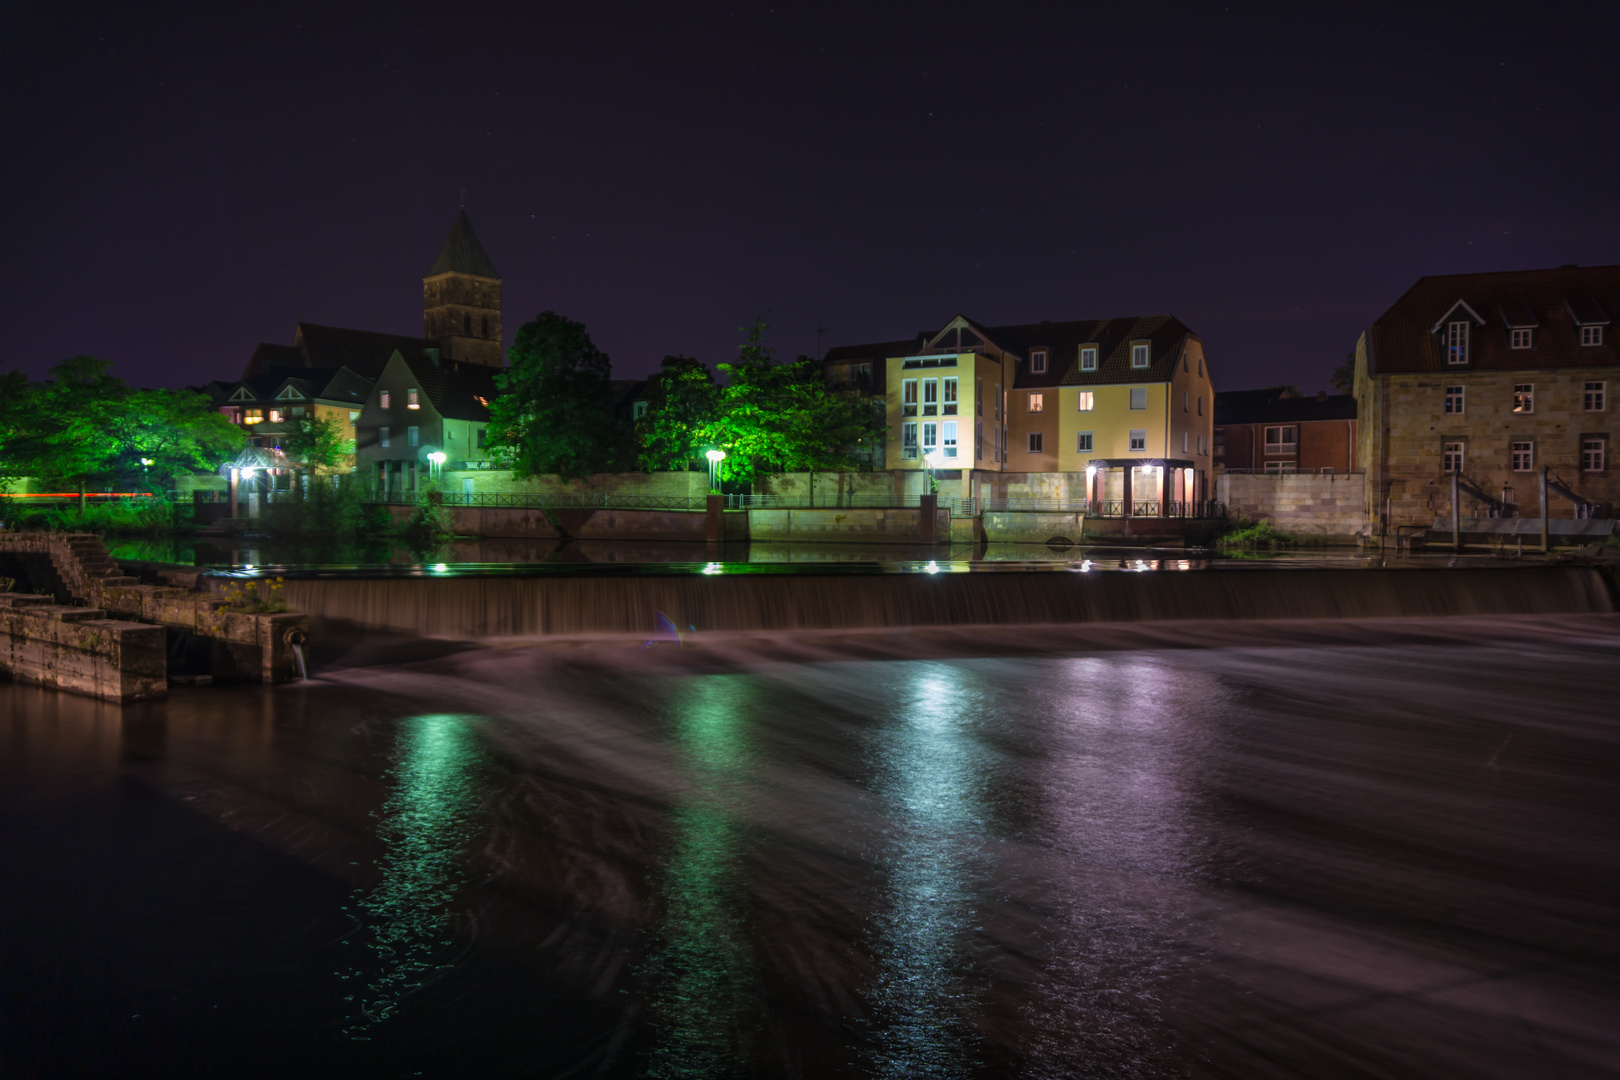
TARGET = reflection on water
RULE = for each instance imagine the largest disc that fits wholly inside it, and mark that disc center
(931, 768)
(700, 969)
(431, 816)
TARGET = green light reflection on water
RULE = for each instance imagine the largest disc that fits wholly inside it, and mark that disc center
(425, 825)
(701, 968)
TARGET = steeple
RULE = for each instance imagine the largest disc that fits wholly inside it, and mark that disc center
(461, 298)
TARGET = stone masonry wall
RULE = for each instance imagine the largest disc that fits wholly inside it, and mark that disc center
(1311, 504)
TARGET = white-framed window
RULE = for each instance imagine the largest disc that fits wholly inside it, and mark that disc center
(1138, 397)
(638, 409)
(908, 397)
(1457, 342)
(1454, 401)
(411, 400)
(354, 414)
(978, 399)
(948, 437)
(930, 435)
(1524, 397)
(949, 403)
(1186, 400)
(1591, 335)
(1037, 402)
(908, 440)
(1521, 338)
(1282, 466)
(1086, 400)
(1139, 354)
(930, 389)
(1037, 361)
(1184, 437)
(413, 436)
(1451, 457)
(1138, 440)
(978, 439)
(1523, 455)
(1593, 453)
(386, 400)
(275, 416)
(382, 437)
(1282, 439)
(1035, 442)
(1088, 358)
(1594, 397)
(1083, 442)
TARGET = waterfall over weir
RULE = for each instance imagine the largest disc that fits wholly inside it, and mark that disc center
(469, 607)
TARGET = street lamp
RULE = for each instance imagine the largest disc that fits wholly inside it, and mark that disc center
(437, 458)
(932, 460)
(715, 458)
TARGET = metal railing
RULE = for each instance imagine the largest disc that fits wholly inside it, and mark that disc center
(1296, 472)
(959, 507)
(1111, 508)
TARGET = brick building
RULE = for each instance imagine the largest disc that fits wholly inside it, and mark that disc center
(1491, 376)
(1278, 430)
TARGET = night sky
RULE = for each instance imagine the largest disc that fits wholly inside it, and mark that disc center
(181, 184)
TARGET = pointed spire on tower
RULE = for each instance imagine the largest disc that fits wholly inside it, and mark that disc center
(462, 253)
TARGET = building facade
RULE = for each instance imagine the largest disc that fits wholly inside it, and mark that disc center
(1279, 431)
(1491, 377)
(425, 415)
(270, 405)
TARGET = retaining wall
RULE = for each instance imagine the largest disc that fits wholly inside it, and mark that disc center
(872, 526)
(81, 650)
(1328, 505)
(1032, 527)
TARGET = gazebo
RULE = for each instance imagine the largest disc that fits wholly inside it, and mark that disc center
(1148, 487)
(246, 468)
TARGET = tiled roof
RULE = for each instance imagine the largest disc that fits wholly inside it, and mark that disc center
(462, 253)
(453, 387)
(1270, 407)
(1405, 338)
(364, 352)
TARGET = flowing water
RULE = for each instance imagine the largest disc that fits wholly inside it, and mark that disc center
(1268, 849)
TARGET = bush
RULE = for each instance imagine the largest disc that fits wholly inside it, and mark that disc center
(158, 515)
(1253, 535)
(324, 506)
(429, 525)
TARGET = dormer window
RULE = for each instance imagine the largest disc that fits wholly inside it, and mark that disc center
(1591, 335)
(411, 401)
(1088, 358)
(1457, 342)
(1139, 354)
(1521, 339)
(1037, 361)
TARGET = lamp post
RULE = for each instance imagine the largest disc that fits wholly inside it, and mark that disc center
(437, 460)
(931, 459)
(715, 458)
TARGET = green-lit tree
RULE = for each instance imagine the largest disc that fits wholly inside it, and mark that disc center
(555, 413)
(682, 402)
(176, 431)
(14, 412)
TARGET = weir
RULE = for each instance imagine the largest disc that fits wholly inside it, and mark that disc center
(628, 603)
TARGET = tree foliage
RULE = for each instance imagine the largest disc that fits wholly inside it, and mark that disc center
(555, 412)
(1343, 379)
(683, 401)
(317, 442)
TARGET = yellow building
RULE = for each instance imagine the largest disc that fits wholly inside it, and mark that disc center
(1054, 410)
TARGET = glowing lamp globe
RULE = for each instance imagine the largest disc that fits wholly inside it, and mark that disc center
(715, 455)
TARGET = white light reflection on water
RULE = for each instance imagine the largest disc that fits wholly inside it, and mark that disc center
(701, 967)
(426, 824)
(930, 770)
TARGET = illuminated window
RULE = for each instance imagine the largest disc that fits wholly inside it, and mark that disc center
(948, 437)
(1451, 456)
(1457, 342)
(1521, 339)
(275, 416)
(354, 414)
(1138, 397)
(411, 401)
(1139, 354)
(1523, 453)
(1454, 401)
(930, 437)
(930, 397)
(1083, 442)
(1037, 361)
(382, 437)
(948, 405)
(1035, 440)
(1591, 335)
(908, 397)
(1088, 358)
(1087, 400)
(1283, 439)
(1138, 440)
(908, 440)
(1592, 453)
(386, 399)
(1592, 398)
(1037, 402)
(1524, 397)
(413, 436)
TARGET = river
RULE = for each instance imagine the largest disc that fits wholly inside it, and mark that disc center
(1275, 849)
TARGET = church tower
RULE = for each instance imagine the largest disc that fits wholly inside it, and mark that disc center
(461, 299)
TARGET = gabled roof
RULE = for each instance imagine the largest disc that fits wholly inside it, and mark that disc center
(1269, 406)
(364, 352)
(1452, 311)
(1403, 339)
(461, 252)
(454, 388)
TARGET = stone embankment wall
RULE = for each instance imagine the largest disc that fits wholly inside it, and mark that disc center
(874, 526)
(1032, 527)
(1326, 505)
(500, 482)
(81, 650)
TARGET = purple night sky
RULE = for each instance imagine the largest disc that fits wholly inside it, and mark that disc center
(183, 184)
